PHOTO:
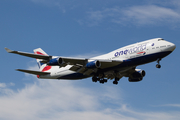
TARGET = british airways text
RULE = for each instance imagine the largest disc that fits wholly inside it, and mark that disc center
(131, 50)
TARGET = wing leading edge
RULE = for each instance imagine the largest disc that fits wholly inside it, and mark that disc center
(33, 72)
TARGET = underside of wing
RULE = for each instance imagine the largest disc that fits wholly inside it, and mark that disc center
(109, 63)
(102, 64)
(74, 61)
(82, 62)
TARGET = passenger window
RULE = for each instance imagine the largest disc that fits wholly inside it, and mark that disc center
(162, 46)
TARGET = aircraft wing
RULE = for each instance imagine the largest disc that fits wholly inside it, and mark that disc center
(81, 68)
(109, 63)
(38, 56)
(78, 64)
(83, 61)
(74, 61)
(33, 72)
(67, 60)
(82, 65)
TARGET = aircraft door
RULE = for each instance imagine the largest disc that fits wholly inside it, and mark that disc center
(148, 48)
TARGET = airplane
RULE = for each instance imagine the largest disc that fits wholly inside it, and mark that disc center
(113, 65)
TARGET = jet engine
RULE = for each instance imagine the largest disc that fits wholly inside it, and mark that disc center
(93, 64)
(55, 61)
(137, 75)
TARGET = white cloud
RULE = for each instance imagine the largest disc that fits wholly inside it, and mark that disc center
(138, 15)
(2, 85)
(53, 99)
(156, 13)
(151, 14)
(50, 99)
(108, 14)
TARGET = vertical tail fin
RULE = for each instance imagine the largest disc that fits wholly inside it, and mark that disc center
(42, 66)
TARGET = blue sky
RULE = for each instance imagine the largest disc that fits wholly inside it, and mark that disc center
(85, 29)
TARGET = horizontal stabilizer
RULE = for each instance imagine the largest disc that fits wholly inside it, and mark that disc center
(38, 56)
(34, 72)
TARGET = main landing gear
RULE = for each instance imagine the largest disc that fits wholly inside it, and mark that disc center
(101, 80)
(158, 65)
(116, 81)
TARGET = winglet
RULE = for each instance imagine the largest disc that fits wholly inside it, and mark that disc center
(8, 50)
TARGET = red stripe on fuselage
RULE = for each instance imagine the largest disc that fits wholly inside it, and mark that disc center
(140, 52)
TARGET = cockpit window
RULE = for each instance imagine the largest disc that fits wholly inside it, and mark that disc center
(160, 39)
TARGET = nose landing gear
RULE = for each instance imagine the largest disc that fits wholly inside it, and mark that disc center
(158, 65)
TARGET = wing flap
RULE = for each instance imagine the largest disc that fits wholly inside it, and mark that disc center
(109, 63)
(33, 72)
(80, 62)
(74, 68)
(88, 72)
(74, 61)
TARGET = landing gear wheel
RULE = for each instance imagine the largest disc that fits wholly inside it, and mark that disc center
(101, 81)
(94, 79)
(115, 82)
(158, 66)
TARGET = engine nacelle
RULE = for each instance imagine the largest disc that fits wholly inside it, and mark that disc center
(55, 62)
(135, 80)
(137, 75)
(93, 64)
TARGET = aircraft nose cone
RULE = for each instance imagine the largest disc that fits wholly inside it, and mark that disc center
(173, 47)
